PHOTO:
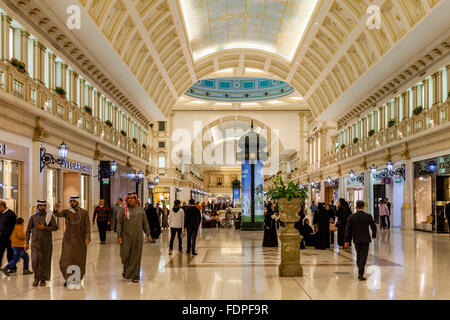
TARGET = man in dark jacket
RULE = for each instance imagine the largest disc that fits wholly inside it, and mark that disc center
(358, 230)
(103, 215)
(7, 222)
(192, 220)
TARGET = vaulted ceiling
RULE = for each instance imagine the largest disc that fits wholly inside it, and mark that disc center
(165, 57)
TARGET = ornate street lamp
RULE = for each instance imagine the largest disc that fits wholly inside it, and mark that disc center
(104, 172)
(432, 165)
(352, 174)
(390, 166)
(47, 158)
(373, 169)
(329, 180)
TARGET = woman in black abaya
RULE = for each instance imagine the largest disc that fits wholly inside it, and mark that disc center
(322, 221)
(343, 213)
(270, 228)
(153, 222)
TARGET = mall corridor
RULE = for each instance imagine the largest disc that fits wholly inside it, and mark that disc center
(233, 265)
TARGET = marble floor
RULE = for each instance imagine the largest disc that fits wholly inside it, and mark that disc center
(231, 264)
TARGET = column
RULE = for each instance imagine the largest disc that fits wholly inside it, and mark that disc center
(407, 207)
(64, 83)
(41, 63)
(36, 61)
(437, 87)
(382, 117)
(24, 37)
(448, 81)
(89, 96)
(6, 22)
(82, 92)
(366, 190)
(51, 71)
(426, 94)
(73, 86)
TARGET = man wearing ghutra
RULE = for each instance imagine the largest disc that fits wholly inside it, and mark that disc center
(40, 227)
(131, 224)
(76, 237)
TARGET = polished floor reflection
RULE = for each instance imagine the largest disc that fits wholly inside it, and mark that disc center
(232, 265)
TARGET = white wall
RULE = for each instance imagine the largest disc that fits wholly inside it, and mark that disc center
(397, 203)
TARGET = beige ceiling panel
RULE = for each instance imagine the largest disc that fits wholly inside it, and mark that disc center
(327, 92)
(320, 51)
(334, 29)
(155, 16)
(432, 3)
(343, 15)
(298, 85)
(414, 10)
(98, 9)
(306, 76)
(359, 7)
(327, 42)
(279, 69)
(113, 19)
(126, 30)
(339, 76)
(367, 48)
(143, 6)
(145, 68)
(381, 40)
(312, 70)
(316, 62)
(392, 20)
(333, 86)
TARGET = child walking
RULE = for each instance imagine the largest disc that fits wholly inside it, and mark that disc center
(18, 245)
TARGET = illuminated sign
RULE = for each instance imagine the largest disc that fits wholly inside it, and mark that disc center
(72, 165)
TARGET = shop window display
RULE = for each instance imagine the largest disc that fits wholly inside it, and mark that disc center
(9, 183)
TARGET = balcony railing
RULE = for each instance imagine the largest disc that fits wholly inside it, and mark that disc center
(39, 96)
(435, 116)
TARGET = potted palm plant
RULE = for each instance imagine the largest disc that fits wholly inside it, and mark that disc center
(342, 146)
(355, 140)
(135, 140)
(289, 197)
(123, 133)
(61, 92)
(108, 123)
(418, 110)
(371, 132)
(88, 110)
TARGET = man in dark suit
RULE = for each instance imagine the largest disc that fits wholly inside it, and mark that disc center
(358, 230)
(192, 220)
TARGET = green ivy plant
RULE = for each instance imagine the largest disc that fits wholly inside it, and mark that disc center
(289, 191)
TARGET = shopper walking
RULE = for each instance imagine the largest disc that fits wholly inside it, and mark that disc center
(313, 207)
(76, 237)
(384, 212)
(388, 217)
(343, 213)
(322, 222)
(358, 230)
(40, 227)
(153, 222)
(103, 215)
(116, 211)
(192, 220)
(18, 245)
(7, 222)
(131, 225)
(176, 223)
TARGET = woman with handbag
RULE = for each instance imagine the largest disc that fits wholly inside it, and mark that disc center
(270, 227)
(322, 222)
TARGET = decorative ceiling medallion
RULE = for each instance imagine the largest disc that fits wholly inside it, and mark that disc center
(239, 89)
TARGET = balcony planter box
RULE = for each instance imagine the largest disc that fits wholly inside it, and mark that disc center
(418, 110)
(144, 146)
(134, 140)
(391, 123)
(19, 65)
(108, 123)
(88, 110)
(342, 146)
(123, 133)
(61, 92)
(355, 140)
(371, 133)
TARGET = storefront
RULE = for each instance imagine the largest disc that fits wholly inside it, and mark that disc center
(353, 189)
(315, 191)
(60, 181)
(331, 190)
(161, 195)
(431, 193)
(14, 176)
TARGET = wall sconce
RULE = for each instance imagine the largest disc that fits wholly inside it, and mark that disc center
(359, 178)
(373, 169)
(329, 180)
(47, 158)
(105, 173)
(389, 166)
(432, 165)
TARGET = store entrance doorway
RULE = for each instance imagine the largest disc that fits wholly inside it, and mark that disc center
(379, 193)
(442, 197)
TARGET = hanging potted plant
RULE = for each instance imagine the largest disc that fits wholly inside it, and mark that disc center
(144, 146)
(108, 123)
(134, 140)
(19, 65)
(355, 140)
(418, 110)
(342, 146)
(391, 123)
(61, 92)
(371, 132)
(123, 133)
(88, 110)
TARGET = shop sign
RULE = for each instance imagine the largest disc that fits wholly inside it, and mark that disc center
(105, 181)
(2, 149)
(72, 165)
(386, 180)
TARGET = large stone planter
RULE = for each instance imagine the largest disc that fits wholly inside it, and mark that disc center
(290, 239)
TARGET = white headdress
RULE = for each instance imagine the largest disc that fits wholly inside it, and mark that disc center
(76, 198)
(48, 215)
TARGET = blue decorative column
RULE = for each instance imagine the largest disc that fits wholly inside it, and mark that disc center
(252, 156)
